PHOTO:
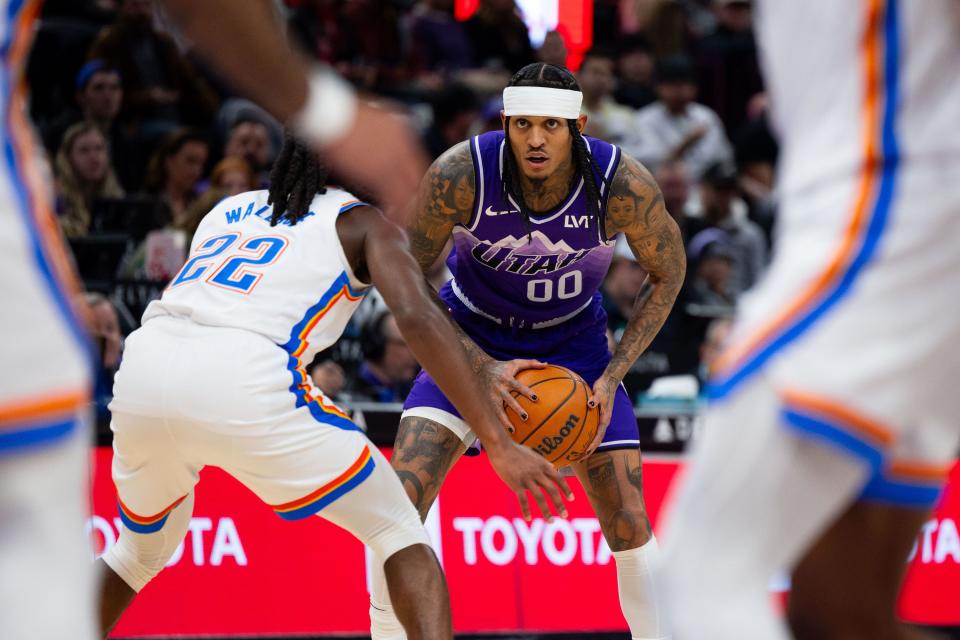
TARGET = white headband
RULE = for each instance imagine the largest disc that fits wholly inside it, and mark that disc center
(542, 101)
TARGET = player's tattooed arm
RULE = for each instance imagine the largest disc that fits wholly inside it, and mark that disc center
(656, 243)
(445, 198)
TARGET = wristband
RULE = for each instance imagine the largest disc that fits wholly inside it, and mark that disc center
(330, 109)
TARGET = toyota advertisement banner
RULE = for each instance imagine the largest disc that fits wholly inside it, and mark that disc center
(241, 570)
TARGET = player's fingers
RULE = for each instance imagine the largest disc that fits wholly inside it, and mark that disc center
(554, 493)
(595, 399)
(597, 439)
(522, 364)
(562, 483)
(511, 402)
(519, 387)
(542, 503)
(524, 507)
(504, 419)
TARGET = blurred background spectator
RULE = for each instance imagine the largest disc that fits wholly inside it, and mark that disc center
(498, 36)
(606, 119)
(163, 90)
(620, 289)
(84, 174)
(328, 375)
(675, 128)
(727, 60)
(455, 108)
(123, 108)
(388, 367)
(105, 330)
(436, 42)
(723, 209)
(675, 186)
(249, 140)
(175, 169)
(635, 72)
(233, 175)
(553, 50)
(713, 261)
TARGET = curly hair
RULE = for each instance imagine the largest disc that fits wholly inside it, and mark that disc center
(297, 176)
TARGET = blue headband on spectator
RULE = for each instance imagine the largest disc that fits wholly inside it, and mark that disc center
(94, 66)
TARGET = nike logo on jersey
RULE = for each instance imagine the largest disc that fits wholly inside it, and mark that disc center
(490, 212)
(576, 222)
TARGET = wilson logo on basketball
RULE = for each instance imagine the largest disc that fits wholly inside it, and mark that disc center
(560, 424)
(549, 444)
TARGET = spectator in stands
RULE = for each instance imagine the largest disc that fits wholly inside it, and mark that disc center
(163, 90)
(620, 289)
(553, 50)
(713, 258)
(175, 169)
(323, 30)
(675, 128)
(83, 174)
(675, 187)
(437, 41)
(716, 337)
(605, 118)
(105, 330)
(329, 376)
(249, 140)
(499, 37)
(635, 72)
(233, 175)
(99, 97)
(728, 65)
(455, 107)
(756, 149)
(388, 367)
(489, 118)
(99, 94)
(718, 196)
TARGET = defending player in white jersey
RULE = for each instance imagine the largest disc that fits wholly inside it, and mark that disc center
(216, 376)
(45, 382)
(835, 411)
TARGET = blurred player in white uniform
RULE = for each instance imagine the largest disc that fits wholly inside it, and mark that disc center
(45, 382)
(217, 376)
(835, 410)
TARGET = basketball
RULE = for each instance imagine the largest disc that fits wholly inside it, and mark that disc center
(559, 426)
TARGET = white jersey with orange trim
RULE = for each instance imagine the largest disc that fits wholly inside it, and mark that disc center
(45, 381)
(837, 383)
(289, 283)
(46, 375)
(865, 257)
(216, 376)
(813, 51)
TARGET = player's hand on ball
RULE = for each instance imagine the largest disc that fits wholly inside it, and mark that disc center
(500, 378)
(604, 391)
(528, 474)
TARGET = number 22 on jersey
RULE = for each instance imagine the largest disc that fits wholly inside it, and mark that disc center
(238, 269)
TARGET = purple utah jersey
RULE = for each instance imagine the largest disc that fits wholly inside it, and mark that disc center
(536, 297)
(520, 278)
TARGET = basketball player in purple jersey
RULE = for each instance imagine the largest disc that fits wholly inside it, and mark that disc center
(533, 212)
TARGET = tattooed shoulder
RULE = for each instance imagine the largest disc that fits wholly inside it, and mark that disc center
(634, 198)
(445, 199)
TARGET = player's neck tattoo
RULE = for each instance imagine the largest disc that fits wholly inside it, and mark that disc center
(543, 194)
